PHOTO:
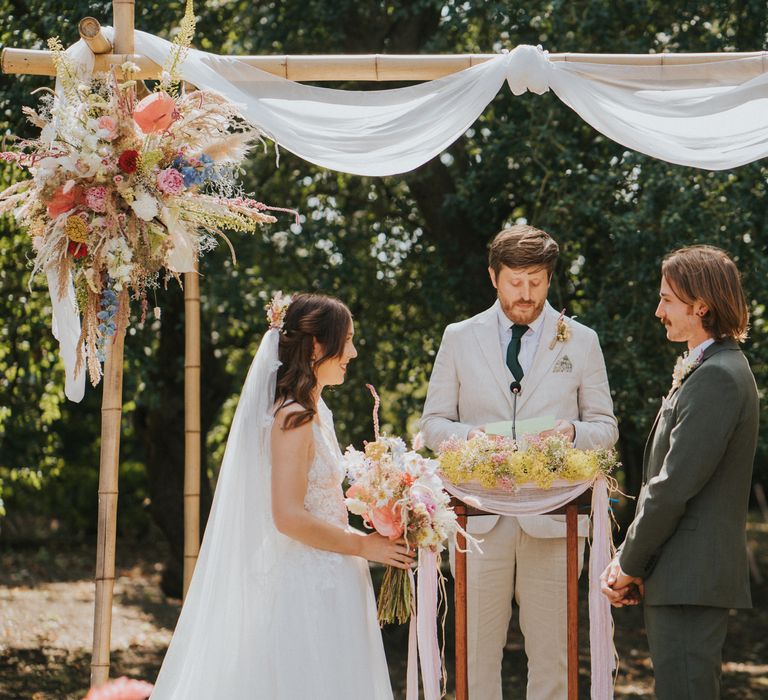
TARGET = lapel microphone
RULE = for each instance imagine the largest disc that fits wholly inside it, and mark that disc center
(515, 388)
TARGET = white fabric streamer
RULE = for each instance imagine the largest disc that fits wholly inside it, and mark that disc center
(66, 329)
(531, 500)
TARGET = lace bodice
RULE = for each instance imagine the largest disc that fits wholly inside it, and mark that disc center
(325, 498)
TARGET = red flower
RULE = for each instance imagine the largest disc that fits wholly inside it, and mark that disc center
(77, 250)
(128, 161)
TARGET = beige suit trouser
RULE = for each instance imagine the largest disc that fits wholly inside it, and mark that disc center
(531, 570)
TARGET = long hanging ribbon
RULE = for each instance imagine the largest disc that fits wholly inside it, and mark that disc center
(422, 633)
(602, 650)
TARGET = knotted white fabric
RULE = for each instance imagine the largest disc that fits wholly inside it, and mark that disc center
(528, 68)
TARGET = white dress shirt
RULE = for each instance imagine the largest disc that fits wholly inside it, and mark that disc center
(700, 348)
(528, 343)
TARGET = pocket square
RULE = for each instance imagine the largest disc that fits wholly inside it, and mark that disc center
(564, 364)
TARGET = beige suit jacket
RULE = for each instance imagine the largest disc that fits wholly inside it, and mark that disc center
(469, 387)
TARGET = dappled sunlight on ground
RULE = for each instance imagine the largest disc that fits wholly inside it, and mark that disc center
(46, 615)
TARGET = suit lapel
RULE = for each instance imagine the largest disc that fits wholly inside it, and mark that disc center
(544, 358)
(487, 334)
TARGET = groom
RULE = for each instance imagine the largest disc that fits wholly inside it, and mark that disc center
(561, 373)
(685, 550)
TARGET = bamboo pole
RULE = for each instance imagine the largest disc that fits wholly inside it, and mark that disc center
(90, 32)
(111, 413)
(373, 67)
(191, 425)
(122, 17)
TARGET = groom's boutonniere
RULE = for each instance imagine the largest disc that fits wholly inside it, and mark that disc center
(683, 367)
(562, 331)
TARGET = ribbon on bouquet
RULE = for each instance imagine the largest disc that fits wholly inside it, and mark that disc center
(423, 646)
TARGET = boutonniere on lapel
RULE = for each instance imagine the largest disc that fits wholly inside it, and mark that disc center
(683, 367)
(562, 331)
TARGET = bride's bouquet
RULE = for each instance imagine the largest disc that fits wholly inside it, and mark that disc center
(399, 494)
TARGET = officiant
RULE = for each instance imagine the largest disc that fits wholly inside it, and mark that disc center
(520, 359)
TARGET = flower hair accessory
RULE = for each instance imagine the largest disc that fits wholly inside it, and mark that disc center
(562, 331)
(276, 310)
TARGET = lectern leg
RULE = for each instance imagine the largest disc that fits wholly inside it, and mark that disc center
(572, 560)
(460, 596)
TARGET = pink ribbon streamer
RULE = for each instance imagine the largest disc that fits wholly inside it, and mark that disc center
(422, 634)
(602, 650)
(376, 404)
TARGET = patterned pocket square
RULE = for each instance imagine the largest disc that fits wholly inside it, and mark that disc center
(564, 364)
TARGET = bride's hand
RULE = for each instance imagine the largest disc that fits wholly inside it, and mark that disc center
(395, 553)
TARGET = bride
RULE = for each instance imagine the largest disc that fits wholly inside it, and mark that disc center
(281, 606)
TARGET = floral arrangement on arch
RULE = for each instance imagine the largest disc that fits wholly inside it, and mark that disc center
(497, 462)
(125, 192)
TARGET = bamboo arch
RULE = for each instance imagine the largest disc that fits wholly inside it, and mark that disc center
(373, 67)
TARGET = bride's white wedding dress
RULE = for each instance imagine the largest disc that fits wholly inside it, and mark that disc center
(267, 617)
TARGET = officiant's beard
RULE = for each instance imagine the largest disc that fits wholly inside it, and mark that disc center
(522, 312)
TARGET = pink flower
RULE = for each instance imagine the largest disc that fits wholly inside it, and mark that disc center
(96, 198)
(117, 179)
(170, 181)
(155, 113)
(107, 127)
(64, 198)
(121, 689)
(386, 520)
(355, 490)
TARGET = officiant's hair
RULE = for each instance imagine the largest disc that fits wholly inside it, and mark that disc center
(523, 246)
(708, 274)
(309, 316)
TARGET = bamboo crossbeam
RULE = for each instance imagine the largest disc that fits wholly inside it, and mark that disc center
(191, 425)
(111, 413)
(370, 67)
(90, 32)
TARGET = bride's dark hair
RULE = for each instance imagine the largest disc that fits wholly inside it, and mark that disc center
(309, 316)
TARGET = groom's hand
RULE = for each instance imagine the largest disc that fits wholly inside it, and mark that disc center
(619, 588)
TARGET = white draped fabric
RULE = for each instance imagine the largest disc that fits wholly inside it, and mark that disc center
(531, 500)
(710, 115)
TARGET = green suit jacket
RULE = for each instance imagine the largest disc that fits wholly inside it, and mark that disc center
(687, 540)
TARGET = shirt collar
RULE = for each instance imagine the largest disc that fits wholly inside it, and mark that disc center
(701, 347)
(505, 324)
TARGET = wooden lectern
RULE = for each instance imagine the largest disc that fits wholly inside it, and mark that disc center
(571, 510)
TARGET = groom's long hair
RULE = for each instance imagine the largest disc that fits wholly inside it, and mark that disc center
(708, 274)
(309, 317)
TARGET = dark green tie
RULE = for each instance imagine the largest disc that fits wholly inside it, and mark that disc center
(513, 350)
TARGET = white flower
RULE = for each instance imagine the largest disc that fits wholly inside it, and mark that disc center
(145, 206)
(48, 134)
(118, 259)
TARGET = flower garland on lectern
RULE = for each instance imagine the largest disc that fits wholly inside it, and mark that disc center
(127, 192)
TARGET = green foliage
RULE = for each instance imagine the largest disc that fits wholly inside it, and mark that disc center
(406, 253)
